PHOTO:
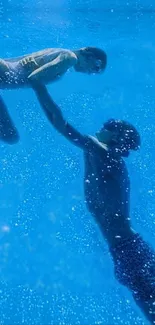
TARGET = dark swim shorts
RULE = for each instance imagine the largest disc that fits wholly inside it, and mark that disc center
(134, 264)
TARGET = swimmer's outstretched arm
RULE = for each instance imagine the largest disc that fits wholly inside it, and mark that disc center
(55, 117)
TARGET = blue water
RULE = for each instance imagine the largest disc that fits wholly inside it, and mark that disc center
(55, 267)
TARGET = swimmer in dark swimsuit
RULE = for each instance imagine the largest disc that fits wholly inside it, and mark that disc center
(107, 194)
(44, 66)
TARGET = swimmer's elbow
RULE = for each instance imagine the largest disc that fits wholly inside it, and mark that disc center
(71, 58)
(59, 123)
(56, 119)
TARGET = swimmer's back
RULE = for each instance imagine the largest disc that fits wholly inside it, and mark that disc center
(17, 75)
(41, 57)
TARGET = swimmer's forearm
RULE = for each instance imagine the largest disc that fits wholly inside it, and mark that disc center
(46, 101)
(54, 115)
(50, 108)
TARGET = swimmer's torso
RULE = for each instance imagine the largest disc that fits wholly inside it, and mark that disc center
(17, 74)
(106, 184)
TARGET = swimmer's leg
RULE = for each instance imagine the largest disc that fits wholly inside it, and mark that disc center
(8, 131)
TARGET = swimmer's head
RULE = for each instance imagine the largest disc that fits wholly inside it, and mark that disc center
(90, 60)
(120, 136)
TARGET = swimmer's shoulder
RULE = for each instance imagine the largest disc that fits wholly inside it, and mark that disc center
(96, 148)
(113, 164)
(64, 54)
(95, 144)
(102, 148)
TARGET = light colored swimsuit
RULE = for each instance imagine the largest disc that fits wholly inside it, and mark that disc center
(17, 75)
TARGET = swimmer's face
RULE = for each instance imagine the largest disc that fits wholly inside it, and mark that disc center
(88, 62)
(114, 140)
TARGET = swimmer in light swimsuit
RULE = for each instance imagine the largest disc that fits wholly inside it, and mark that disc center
(44, 66)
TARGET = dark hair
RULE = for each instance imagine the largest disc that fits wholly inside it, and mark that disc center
(129, 133)
(98, 53)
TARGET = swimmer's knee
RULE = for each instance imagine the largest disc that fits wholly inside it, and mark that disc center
(13, 140)
(10, 138)
(8, 131)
